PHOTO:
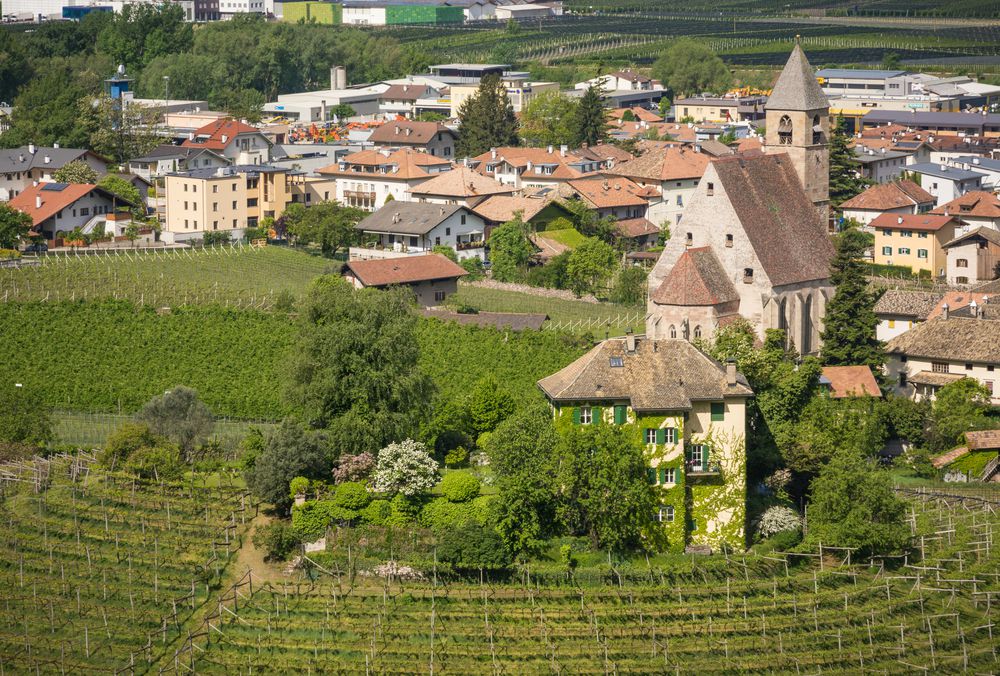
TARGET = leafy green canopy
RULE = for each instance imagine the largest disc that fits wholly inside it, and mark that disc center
(550, 119)
(510, 250)
(688, 68)
(14, 226)
(487, 119)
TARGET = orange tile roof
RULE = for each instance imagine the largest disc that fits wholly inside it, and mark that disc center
(983, 439)
(461, 182)
(978, 203)
(53, 200)
(613, 191)
(502, 208)
(851, 381)
(956, 300)
(887, 196)
(641, 114)
(665, 164)
(405, 270)
(409, 164)
(210, 136)
(697, 279)
(635, 227)
(407, 132)
(921, 222)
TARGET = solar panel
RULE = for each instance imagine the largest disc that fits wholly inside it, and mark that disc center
(55, 187)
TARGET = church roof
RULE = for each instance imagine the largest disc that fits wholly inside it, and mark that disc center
(797, 88)
(782, 224)
(697, 278)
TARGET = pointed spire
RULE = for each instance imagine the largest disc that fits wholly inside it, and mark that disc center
(797, 88)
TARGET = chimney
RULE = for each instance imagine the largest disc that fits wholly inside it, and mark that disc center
(190, 135)
(493, 153)
(408, 130)
(975, 160)
(225, 138)
(395, 217)
(35, 183)
(974, 308)
(55, 145)
(38, 201)
(944, 167)
(397, 129)
(31, 148)
(731, 372)
(442, 211)
(551, 149)
(899, 219)
(563, 150)
(944, 311)
(47, 159)
(629, 341)
(20, 158)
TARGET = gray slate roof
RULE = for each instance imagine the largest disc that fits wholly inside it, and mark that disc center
(408, 218)
(661, 375)
(20, 159)
(797, 88)
(950, 173)
(908, 303)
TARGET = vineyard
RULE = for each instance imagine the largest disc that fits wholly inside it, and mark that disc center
(932, 610)
(99, 571)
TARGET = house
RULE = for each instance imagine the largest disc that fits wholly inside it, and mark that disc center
(897, 197)
(973, 257)
(737, 253)
(720, 108)
(841, 382)
(622, 80)
(688, 410)
(944, 182)
(520, 90)
(975, 208)
(537, 212)
(987, 166)
(24, 166)
(168, 159)
(915, 241)
(674, 172)
(899, 309)
(431, 277)
(57, 208)
(402, 229)
(614, 196)
(433, 138)
(535, 167)
(233, 198)
(401, 99)
(635, 113)
(943, 350)
(237, 141)
(368, 179)
(637, 234)
(461, 185)
(880, 165)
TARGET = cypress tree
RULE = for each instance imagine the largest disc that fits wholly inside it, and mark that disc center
(592, 128)
(487, 119)
(845, 169)
(850, 322)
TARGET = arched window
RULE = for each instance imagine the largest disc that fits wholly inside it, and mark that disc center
(697, 331)
(673, 331)
(785, 131)
(807, 325)
(817, 131)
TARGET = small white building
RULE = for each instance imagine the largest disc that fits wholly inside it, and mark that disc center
(411, 228)
(368, 179)
(881, 165)
(898, 197)
(945, 182)
(976, 208)
(973, 257)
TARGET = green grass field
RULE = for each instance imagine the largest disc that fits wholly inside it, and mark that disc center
(91, 430)
(569, 237)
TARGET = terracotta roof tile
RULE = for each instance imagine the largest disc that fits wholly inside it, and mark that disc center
(408, 163)
(405, 132)
(210, 135)
(635, 227)
(978, 203)
(956, 300)
(887, 196)
(405, 270)
(983, 439)
(664, 164)
(958, 339)
(697, 278)
(55, 197)
(502, 208)
(907, 302)
(461, 182)
(613, 191)
(920, 222)
(851, 381)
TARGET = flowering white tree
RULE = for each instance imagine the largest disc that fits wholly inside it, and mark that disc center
(405, 467)
(778, 519)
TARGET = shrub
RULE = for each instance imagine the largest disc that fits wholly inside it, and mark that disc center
(404, 510)
(351, 495)
(353, 467)
(474, 547)
(179, 415)
(298, 486)
(310, 520)
(785, 540)
(284, 301)
(456, 457)
(404, 468)
(441, 515)
(460, 486)
(778, 519)
(160, 462)
(212, 238)
(277, 539)
(124, 441)
(377, 512)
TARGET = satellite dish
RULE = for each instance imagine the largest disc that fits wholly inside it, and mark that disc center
(121, 69)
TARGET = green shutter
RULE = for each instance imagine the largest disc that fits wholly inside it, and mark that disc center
(704, 457)
(651, 472)
(576, 415)
(621, 415)
(595, 415)
(660, 435)
(718, 412)
(663, 475)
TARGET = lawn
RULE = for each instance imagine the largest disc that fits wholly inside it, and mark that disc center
(568, 237)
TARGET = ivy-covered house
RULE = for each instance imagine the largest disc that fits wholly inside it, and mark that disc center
(690, 412)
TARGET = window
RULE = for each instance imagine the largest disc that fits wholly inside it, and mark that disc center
(621, 414)
(697, 331)
(185, 205)
(85, 211)
(438, 296)
(892, 323)
(463, 219)
(922, 235)
(447, 231)
(694, 525)
(887, 251)
(669, 435)
(413, 240)
(617, 362)
(939, 367)
(747, 275)
(234, 204)
(673, 331)
(961, 280)
(906, 233)
(729, 241)
(437, 241)
(215, 206)
(215, 225)
(989, 385)
(718, 411)
(968, 367)
(785, 131)
(650, 435)
(680, 200)
(215, 188)
(922, 253)
(904, 251)
(710, 189)
(690, 239)
(902, 379)
(962, 263)
(667, 513)
(185, 187)
(586, 415)
(668, 475)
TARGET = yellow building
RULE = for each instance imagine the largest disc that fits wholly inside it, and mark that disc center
(915, 241)
(234, 198)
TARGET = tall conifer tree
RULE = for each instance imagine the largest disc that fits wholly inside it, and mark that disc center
(592, 127)
(487, 119)
(845, 169)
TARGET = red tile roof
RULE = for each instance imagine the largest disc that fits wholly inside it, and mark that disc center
(613, 191)
(405, 270)
(920, 222)
(851, 381)
(53, 200)
(409, 164)
(983, 439)
(405, 132)
(977, 203)
(210, 136)
(697, 278)
(888, 196)
(635, 227)
(665, 164)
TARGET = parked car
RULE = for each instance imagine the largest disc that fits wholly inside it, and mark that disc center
(37, 247)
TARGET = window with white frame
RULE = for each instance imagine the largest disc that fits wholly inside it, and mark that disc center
(586, 415)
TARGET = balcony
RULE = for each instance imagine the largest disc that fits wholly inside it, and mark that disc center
(360, 195)
(695, 470)
(467, 246)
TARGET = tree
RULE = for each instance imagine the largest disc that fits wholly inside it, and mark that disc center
(588, 223)
(47, 109)
(132, 232)
(845, 169)
(890, 61)
(328, 224)
(604, 487)
(550, 119)
(510, 250)
(591, 124)
(354, 370)
(849, 325)
(853, 505)
(241, 104)
(143, 31)
(127, 439)
(664, 106)
(474, 547)
(487, 119)
(276, 539)
(689, 68)
(24, 416)
(445, 251)
(76, 171)
(117, 131)
(630, 286)
(405, 468)
(126, 191)
(490, 405)
(521, 452)
(907, 418)
(290, 452)
(828, 425)
(590, 267)
(14, 226)
(958, 407)
(178, 414)
(343, 111)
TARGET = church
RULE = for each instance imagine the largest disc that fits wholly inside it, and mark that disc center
(754, 240)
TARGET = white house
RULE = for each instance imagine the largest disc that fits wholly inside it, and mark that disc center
(24, 166)
(988, 167)
(236, 141)
(945, 182)
(976, 208)
(412, 228)
(367, 179)
(674, 172)
(881, 165)
(898, 197)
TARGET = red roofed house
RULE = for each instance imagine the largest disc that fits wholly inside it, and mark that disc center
(841, 382)
(236, 141)
(536, 167)
(898, 197)
(368, 178)
(915, 241)
(973, 256)
(432, 277)
(64, 207)
(674, 172)
(974, 208)
(430, 137)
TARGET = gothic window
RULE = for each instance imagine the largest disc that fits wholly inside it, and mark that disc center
(817, 131)
(785, 131)
(697, 332)
(807, 325)
(673, 331)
